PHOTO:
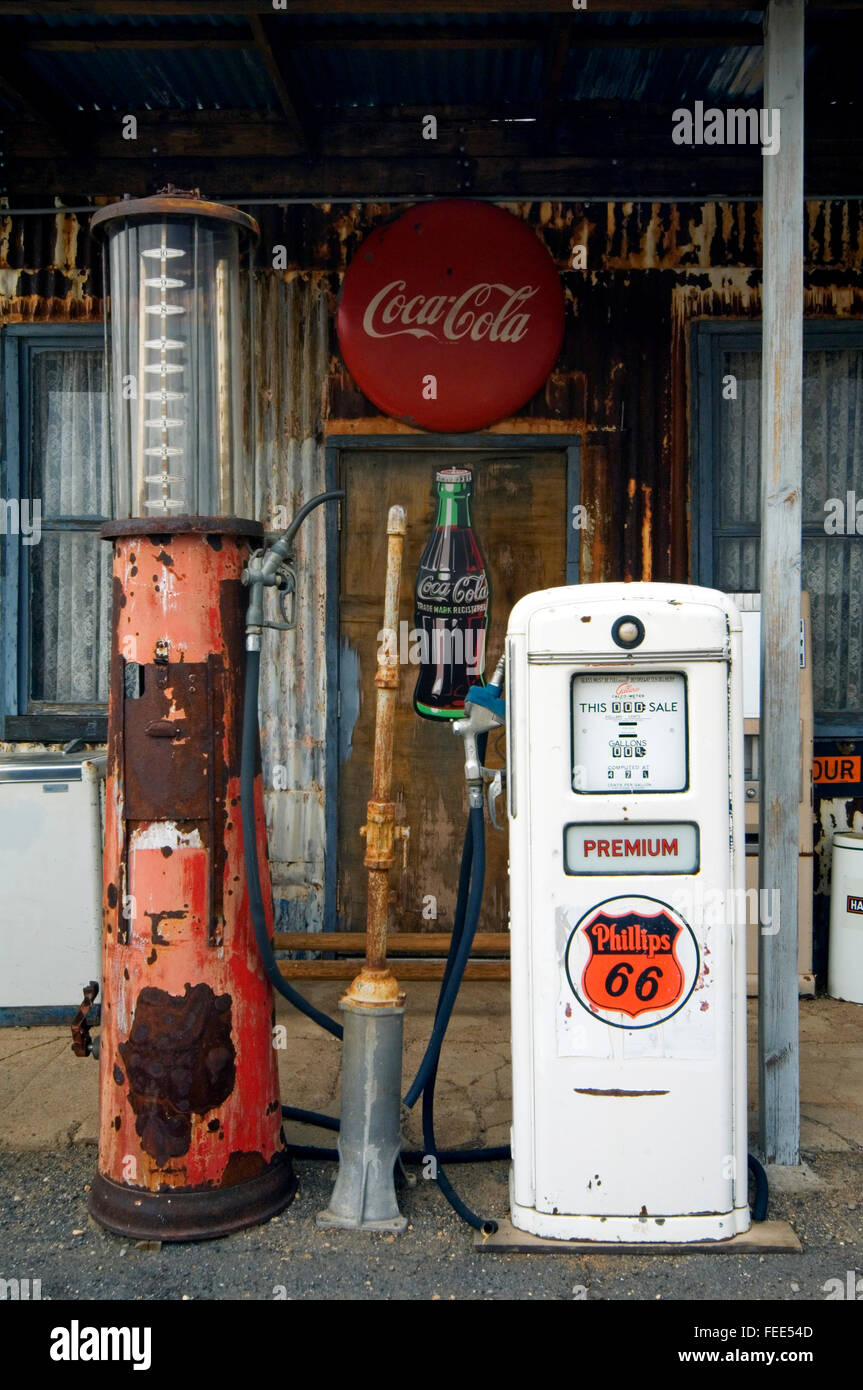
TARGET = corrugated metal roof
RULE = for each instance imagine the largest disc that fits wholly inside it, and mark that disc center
(341, 78)
(144, 80)
(333, 77)
(658, 75)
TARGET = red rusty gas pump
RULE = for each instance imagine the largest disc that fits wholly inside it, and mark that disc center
(190, 1141)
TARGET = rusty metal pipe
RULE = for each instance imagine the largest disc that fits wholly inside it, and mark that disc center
(375, 986)
(364, 1196)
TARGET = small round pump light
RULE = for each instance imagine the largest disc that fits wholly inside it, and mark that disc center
(628, 632)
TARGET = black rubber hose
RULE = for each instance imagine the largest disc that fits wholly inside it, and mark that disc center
(762, 1190)
(472, 872)
(248, 766)
(309, 506)
(310, 1117)
(478, 1223)
(500, 1154)
(462, 940)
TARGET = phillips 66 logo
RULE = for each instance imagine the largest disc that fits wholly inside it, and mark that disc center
(632, 962)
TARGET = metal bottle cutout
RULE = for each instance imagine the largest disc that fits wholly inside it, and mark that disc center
(451, 603)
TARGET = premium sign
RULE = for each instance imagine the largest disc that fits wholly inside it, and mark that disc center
(451, 317)
(647, 847)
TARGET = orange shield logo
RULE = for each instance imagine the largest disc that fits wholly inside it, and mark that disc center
(633, 965)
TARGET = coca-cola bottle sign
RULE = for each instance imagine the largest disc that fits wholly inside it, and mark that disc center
(451, 603)
(451, 316)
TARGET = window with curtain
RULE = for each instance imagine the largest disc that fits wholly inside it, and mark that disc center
(57, 459)
(727, 359)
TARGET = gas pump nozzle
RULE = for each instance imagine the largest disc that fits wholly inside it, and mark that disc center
(485, 709)
(274, 566)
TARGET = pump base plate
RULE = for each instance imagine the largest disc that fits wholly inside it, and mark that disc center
(763, 1237)
(333, 1221)
(202, 1214)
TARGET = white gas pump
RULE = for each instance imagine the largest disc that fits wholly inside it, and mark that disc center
(625, 800)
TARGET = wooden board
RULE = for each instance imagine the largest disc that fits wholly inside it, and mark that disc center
(496, 970)
(520, 519)
(399, 943)
(762, 1238)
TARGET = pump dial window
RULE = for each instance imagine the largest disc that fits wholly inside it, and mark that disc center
(629, 732)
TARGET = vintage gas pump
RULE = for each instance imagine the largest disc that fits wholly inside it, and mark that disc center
(190, 1121)
(625, 749)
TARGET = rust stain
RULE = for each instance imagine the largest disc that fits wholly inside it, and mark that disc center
(646, 531)
(180, 1060)
(156, 918)
(240, 1167)
(166, 737)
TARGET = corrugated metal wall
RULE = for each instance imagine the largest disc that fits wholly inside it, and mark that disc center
(291, 362)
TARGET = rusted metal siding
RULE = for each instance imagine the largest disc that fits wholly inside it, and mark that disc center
(621, 382)
(50, 269)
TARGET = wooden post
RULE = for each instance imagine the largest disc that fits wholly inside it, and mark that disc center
(781, 487)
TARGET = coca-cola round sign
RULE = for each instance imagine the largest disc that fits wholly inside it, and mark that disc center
(451, 316)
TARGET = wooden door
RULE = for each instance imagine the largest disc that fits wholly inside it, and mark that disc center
(519, 514)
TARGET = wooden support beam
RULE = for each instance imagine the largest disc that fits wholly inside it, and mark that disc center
(627, 131)
(554, 63)
(29, 95)
(192, 8)
(568, 178)
(136, 40)
(780, 562)
(266, 44)
(585, 33)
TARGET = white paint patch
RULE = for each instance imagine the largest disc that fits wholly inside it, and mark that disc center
(165, 835)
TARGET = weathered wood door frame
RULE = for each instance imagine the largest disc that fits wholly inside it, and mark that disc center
(336, 445)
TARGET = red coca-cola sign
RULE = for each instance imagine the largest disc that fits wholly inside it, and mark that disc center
(451, 316)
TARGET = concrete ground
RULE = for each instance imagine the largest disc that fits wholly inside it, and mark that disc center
(48, 1130)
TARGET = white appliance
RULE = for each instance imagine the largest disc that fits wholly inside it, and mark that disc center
(845, 963)
(627, 914)
(50, 883)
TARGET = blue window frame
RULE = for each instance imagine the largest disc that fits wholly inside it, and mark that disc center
(56, 492)
(726, 375)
